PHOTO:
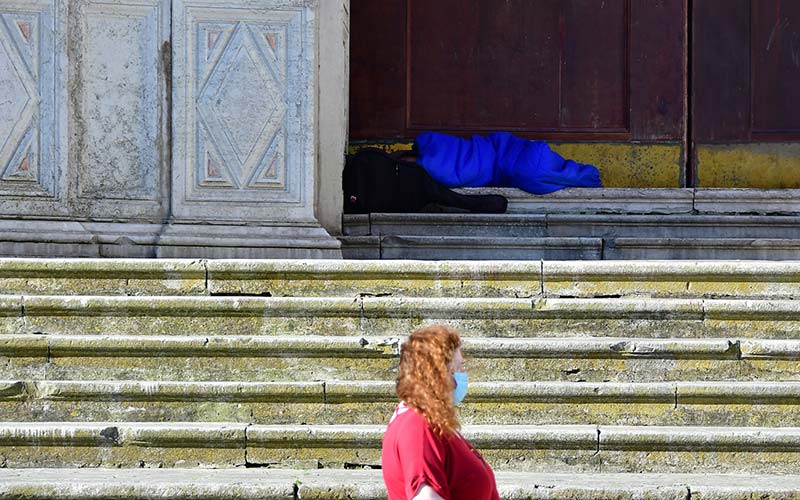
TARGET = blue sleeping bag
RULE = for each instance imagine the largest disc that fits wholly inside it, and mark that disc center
(501, 160)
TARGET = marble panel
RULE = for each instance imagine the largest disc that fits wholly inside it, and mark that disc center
(32, 90)
(119, 116)
(244, 110)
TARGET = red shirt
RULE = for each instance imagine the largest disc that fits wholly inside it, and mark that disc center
(412, 455)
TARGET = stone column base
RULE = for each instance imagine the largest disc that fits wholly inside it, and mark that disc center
(247, 242)
(53, 238)
(46, 238)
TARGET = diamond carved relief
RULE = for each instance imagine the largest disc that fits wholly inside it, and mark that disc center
(22, 167)
(245, 81)
(25, 30)
(215, 174)
(212, 37)
(242, 106)
(19, 101)
(34, 161)
(15, 96)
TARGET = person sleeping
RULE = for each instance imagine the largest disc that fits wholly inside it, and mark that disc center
(500, 159)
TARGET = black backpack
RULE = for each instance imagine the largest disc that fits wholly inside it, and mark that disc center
(377, 182)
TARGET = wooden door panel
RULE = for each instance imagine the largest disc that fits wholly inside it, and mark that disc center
(721, 70)
(549, 69)
(594, 66)
(518, 65)
(776, 66)
(746, 93)
(746, 70)
(377, 68)
(470, 68)
(658, 49)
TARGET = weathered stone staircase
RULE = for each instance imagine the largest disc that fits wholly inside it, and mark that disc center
(592, 224)
(139, 379)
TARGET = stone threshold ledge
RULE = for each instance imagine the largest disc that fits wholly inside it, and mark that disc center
(277, 484)
(103, 276)
(336, 391)
(574, 225)
(650, 201)
(588, 200)
(575, 248)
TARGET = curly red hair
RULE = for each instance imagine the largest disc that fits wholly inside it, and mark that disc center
(424, 381)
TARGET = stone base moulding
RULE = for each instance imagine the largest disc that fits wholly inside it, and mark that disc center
(42, 238)
(248, 242)
(34, 238)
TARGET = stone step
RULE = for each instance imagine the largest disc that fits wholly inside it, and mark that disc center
(674, 226)
(590, 224)
(650, 201)
(702, 248)
(396, 316)
(489, 225)
(608, 226)
(269, 278)
(566, 248)
(261, 358)
(542, 448)
(102, 276)
(327, 278)
(751, 279)
(604, 200)
(718, 403)
(278, 484)
(470, 248)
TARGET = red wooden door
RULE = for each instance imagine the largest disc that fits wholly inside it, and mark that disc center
(746, 93)
(603, 71)
(552, 69)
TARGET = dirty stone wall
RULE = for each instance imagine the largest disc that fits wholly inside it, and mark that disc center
(167, 126)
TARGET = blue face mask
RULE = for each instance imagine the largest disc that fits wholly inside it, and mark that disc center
(461, 387)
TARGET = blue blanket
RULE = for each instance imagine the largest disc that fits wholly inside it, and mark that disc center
(501, 160)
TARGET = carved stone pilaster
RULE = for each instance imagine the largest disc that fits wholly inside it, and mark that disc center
(245, 123)
(175, 128)
(33, 131)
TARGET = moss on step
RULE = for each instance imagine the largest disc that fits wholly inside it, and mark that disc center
(401, 278)
(102, 277)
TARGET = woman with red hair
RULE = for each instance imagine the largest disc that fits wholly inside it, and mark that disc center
(424, 457)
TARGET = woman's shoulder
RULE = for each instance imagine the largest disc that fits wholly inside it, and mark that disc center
(408, 423)
(407, 418)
